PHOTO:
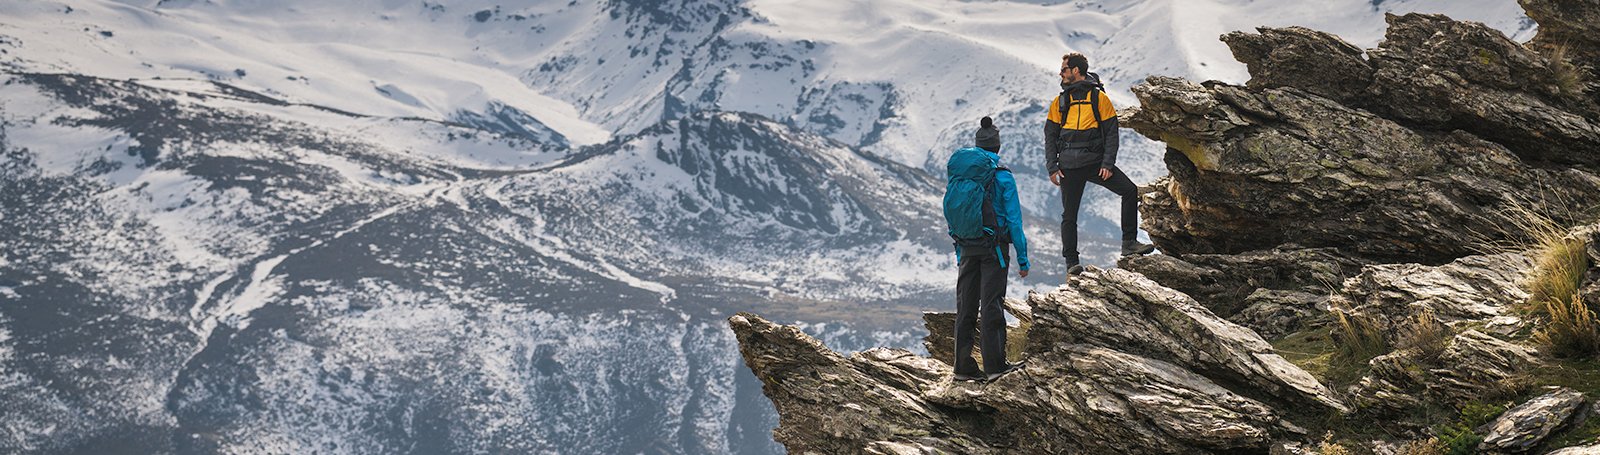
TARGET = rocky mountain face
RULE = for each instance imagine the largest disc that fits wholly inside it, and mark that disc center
(1347, 268)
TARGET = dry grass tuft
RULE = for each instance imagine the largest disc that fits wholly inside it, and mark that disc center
(1560, 262)
(1330, 447)
(1357, 337)
(1571, 332)
(1426, 337)
(1558, 272)
(1569, 77)
(1430, 446)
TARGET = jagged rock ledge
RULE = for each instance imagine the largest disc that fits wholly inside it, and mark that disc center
(1114, 362)
(1409, 153)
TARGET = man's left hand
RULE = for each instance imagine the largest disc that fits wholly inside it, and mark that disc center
(1105, 174)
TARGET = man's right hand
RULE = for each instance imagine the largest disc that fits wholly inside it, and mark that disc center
(1055, 177)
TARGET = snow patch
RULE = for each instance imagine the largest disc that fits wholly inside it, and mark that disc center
(261, 289)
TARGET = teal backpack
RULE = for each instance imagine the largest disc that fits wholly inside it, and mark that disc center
(969, 201)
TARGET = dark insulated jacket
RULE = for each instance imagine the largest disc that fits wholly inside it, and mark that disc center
(1075, 137)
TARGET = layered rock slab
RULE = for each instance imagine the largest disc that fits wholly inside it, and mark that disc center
(1113, 362)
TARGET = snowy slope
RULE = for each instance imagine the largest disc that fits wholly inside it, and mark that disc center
(344, 55)
(199, 268)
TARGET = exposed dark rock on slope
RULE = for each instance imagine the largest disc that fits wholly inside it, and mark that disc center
(1412, 166)
(1115, 360)
(1366, 185)
(1566, 28)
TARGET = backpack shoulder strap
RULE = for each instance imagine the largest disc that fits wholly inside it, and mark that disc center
(1094, 104)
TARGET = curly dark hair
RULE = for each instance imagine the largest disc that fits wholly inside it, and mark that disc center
(1076, 60)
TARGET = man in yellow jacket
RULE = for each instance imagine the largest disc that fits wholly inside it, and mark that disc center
(1080, 145)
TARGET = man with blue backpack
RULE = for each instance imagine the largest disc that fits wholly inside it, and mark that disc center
(984, 216)
(1080, 145)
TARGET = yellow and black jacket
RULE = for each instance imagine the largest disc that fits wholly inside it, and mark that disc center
(1083, 132)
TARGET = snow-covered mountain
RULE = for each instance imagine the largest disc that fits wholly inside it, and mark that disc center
(481, 226)
(210, 265)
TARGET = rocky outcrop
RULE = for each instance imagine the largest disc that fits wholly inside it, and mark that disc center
(1252, 170)
(1501, 91)
(1114, 362)
(1480, 288)
(1273, 292)
(1274, 314)
(1473, 365)
(1415, 168)
(1579, 450)
(1126, 311)
(829, 403)
(1284, 57)
(1569, 29)
(1525, 427)
(1434, 73)
(1222, 281)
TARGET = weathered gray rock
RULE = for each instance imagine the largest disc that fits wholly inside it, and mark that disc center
(1476, 365)
(1251, 170)
(1392, 385)
(1593, 449)
(1273, 314)
(1572, 26)
(1480, 288)
(830, 404)
(1317, 62)
(1121, 309)
(940, 340)
(1439, 74)
(1567, 31)
(1224, 282)
(1525, 427)
(1442, 74)
(1114, 362)
(1415, 169)
(1472, 366)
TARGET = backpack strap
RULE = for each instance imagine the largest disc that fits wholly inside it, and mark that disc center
(1094, 105)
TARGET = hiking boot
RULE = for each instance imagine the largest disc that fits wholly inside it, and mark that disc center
(1074, 269)
(1010, 367)
(968, 377)
(1134, 248)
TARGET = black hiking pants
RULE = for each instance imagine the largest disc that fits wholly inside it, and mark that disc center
(980, 290)
(1072, 183)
